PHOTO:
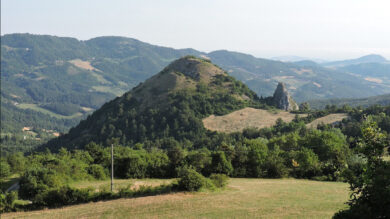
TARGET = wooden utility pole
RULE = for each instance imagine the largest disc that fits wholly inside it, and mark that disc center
(112, 167)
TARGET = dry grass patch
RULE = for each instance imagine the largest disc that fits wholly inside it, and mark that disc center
(83, 64)
(243, 198)
(245, 118)
(120, 183)
(329, 119)
(376, 80)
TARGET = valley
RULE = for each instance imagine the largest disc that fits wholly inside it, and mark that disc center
(179, 134)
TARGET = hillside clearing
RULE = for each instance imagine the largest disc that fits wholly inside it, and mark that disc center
(329, 119)
(244, 198)
(83, 65)
(245, 118)
(37, 108)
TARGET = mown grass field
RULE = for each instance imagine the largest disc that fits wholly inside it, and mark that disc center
(243, 198)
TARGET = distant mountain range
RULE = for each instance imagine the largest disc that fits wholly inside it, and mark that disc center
(361, 60)
(383, 100)
(297, 59)
(65, 78)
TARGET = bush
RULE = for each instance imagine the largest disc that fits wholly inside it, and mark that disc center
(5, 169)
(191, 180)
(7, 201)
(37, 181)
(133, 166)
(219, 180)
(97, 171)
(63, 196)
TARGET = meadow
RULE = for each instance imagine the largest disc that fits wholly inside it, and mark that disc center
(243, 198)
(42, 110)
(238, 120)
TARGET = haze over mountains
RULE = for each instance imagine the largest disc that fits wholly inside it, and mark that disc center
(68, 78)
(364, 59)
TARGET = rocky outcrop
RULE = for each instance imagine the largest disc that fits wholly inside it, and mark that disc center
(283, 100)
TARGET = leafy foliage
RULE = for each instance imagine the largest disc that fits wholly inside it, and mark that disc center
(371, 188)
(190, 180)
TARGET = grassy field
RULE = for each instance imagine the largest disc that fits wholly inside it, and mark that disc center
(42, 110)
(120, 183)
(245, 118)
(329, 119)
(243, 198)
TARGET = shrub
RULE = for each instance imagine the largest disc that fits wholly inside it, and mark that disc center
(97, 171)
(133, 166)
(191, 180)
(208, 184)
(219, 180)
(5, 169)
(7, 201)
(36, 181)
(63, 196)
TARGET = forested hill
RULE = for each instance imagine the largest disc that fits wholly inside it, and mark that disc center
(167, 107)
(51, 78)
(59, 80)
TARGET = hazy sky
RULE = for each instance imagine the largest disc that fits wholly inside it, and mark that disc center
(329, 29)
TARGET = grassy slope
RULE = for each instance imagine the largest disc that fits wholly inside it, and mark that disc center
(245, 118)
(329, 119)
(244, 198)
(50, 113)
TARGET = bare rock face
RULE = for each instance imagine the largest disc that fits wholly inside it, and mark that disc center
(283, 100)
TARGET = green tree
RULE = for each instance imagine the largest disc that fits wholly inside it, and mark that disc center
(304, 107)
(219, 163)
(305, 163)
(371, 189)
(257, 156)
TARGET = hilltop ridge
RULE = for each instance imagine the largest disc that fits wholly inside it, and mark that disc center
(170, 104)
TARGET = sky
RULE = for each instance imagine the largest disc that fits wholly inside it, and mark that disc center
(325, 29)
